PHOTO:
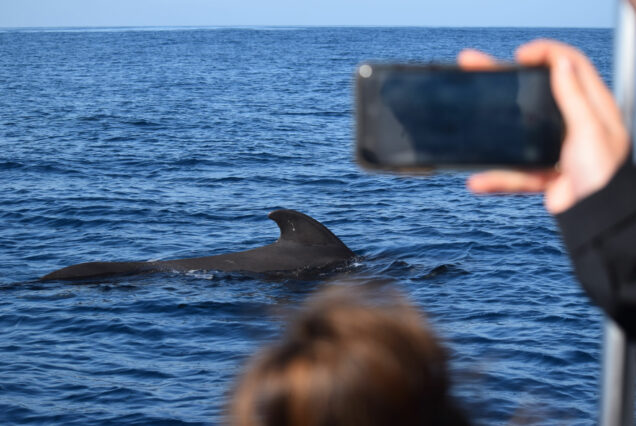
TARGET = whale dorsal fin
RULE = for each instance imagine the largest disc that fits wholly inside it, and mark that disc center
(300, 228)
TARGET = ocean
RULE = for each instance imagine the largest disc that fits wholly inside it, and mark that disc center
(163, 143)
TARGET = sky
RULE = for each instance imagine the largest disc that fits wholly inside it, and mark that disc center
(439, 13)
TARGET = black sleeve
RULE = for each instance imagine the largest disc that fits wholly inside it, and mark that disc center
(600, 235)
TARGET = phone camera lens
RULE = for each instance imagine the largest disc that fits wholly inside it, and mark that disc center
(365, 71)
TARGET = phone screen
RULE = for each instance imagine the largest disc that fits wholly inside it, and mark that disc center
(412, 116)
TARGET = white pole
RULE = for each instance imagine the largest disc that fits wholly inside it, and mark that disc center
(619, 362)
(625, 60)
(617, 401)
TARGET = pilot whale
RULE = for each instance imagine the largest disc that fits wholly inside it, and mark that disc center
(305, 246)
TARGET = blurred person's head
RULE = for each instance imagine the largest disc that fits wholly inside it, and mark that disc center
(351, 356)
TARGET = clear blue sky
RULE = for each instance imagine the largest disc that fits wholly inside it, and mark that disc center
(550, 13)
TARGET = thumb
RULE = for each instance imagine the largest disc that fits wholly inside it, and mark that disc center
(559, 196)
(569, 93)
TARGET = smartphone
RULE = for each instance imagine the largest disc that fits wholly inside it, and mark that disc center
(413, 118)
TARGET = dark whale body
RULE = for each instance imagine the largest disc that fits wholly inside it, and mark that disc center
(305, 246)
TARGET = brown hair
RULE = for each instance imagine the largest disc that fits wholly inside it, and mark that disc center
(362, 357)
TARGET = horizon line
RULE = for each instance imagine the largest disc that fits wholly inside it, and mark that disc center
(215, 26)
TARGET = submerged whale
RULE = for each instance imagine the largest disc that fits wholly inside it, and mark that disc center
(305, 246)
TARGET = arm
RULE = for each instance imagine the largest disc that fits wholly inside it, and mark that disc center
(600, 234)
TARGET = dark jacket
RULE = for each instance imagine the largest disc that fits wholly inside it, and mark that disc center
(600, 235)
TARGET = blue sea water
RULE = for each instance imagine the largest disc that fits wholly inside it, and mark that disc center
(121, 144)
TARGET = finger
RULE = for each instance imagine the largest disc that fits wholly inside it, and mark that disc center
(541, 51)
(474, 60)
(510, 181)
(570, 94)
(549, 51)
(559, 196)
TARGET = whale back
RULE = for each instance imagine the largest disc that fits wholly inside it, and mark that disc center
(97, 269)
(304, 245)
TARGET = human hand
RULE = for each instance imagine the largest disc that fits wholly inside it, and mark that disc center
(596, 140)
